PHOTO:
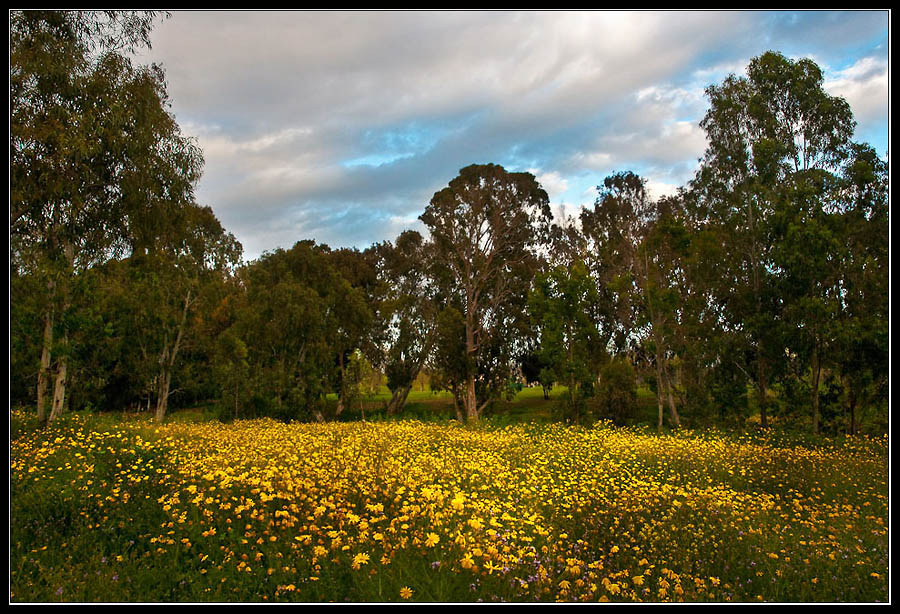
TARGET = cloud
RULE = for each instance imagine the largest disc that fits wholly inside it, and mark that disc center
(864, 85)
(340, 126)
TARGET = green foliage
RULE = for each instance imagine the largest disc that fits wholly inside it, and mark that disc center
(486, 226)
(562, 305)
(760, 289)
(617, 391)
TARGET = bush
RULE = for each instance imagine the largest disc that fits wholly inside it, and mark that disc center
(617, 391)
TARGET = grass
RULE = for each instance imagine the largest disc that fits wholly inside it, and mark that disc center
(528, 404)
(117, 509)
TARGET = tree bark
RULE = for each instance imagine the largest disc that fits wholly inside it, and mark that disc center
(761, 391)
(167, 362)
(816, 367)
(162, 400)
(398, 400)
(59, 387)
(659, 392)
(43, 384)
(673, 413)
(457, 405)
(471, 403)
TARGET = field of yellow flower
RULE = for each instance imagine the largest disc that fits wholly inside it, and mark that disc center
(103, 510)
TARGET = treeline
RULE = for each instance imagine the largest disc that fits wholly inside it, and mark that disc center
(760, 288)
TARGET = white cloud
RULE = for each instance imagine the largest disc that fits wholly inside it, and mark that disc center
(281, 101)
(658, 189)
(553, 183)
(864, 85)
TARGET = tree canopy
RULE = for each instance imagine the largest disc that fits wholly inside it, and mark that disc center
(759, 288)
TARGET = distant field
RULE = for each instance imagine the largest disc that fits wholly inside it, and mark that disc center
(109, 509)
(528, 404)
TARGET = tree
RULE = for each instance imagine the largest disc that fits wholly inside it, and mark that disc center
(486, 225)
(617, 389)
(93, 152)
(763, 131)
(562, 303)
(610, 235)
(633, 242)
(409, 310)
(171, 276)
(301, 318)
(861, 346)
(353, 322)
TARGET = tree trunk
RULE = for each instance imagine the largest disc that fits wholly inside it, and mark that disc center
(761, 391)
(816, 367)
(59, 387)
(471, 403)
(43, 384)
(457, 405)
(673, 413)
(398, 400)
(162, 401)
(342, 391)
(572, 398)
(659, 392)
(572, 386)
(167, 362)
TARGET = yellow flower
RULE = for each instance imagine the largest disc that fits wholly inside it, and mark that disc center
(432, 539)
(360, 559)
(406, 592)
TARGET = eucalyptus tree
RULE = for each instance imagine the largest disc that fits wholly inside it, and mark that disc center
(562, 303)
(93, 151)
(629, 245)
(297, 319)
(771, 136)
(355, 328)
(610, 236)
(172, 275)
(862, 328)
(409, 309)
(486, 226)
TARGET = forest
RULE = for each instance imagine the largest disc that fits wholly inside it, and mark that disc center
(757, 294)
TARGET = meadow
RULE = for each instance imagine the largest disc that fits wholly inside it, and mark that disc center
(118, 509)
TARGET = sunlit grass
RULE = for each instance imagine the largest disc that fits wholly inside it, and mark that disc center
(394, 511)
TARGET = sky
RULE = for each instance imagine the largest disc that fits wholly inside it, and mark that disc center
(341, 126)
